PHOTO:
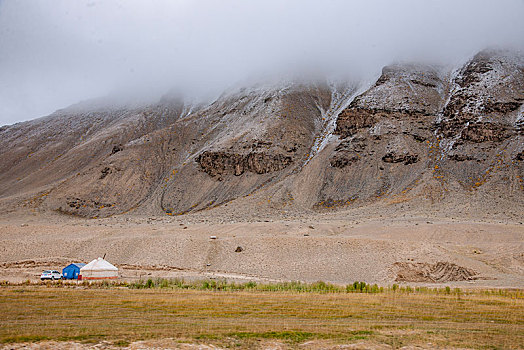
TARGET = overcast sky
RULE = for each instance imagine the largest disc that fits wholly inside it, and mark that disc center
(55, 53)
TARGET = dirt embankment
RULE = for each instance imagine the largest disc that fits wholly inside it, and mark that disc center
(434, 273)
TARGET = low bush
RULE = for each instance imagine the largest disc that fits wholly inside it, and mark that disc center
(292, 286)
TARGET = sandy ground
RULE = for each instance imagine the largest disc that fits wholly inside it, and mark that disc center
(333, 248)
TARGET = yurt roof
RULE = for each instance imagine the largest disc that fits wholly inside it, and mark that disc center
(99, 264)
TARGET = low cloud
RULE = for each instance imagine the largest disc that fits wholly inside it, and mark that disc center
(55, 53)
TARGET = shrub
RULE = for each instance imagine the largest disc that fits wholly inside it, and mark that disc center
(163, 283)
(251, 285)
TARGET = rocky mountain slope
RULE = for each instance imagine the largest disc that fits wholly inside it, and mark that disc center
(420, 135)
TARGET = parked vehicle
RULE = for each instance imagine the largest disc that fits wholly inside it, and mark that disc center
(51, 275)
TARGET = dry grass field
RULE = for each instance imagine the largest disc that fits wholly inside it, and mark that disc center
(246, 319)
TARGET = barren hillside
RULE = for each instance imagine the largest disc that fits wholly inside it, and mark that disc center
(420, 134)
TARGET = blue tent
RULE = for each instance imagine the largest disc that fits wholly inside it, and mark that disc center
(72, 271)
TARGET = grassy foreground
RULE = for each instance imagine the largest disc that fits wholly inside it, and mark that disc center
(241, 318)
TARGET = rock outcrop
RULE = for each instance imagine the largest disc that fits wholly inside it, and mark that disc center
(222, 163)
(455, 124)
(405, 158)
(480, 124)
(384, 134)
(485, 98)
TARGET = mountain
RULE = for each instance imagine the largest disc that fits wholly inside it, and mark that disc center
(420, 137)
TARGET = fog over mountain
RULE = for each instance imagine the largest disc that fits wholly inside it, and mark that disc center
(55, 53)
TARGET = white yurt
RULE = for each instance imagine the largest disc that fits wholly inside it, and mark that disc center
(98, 269)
